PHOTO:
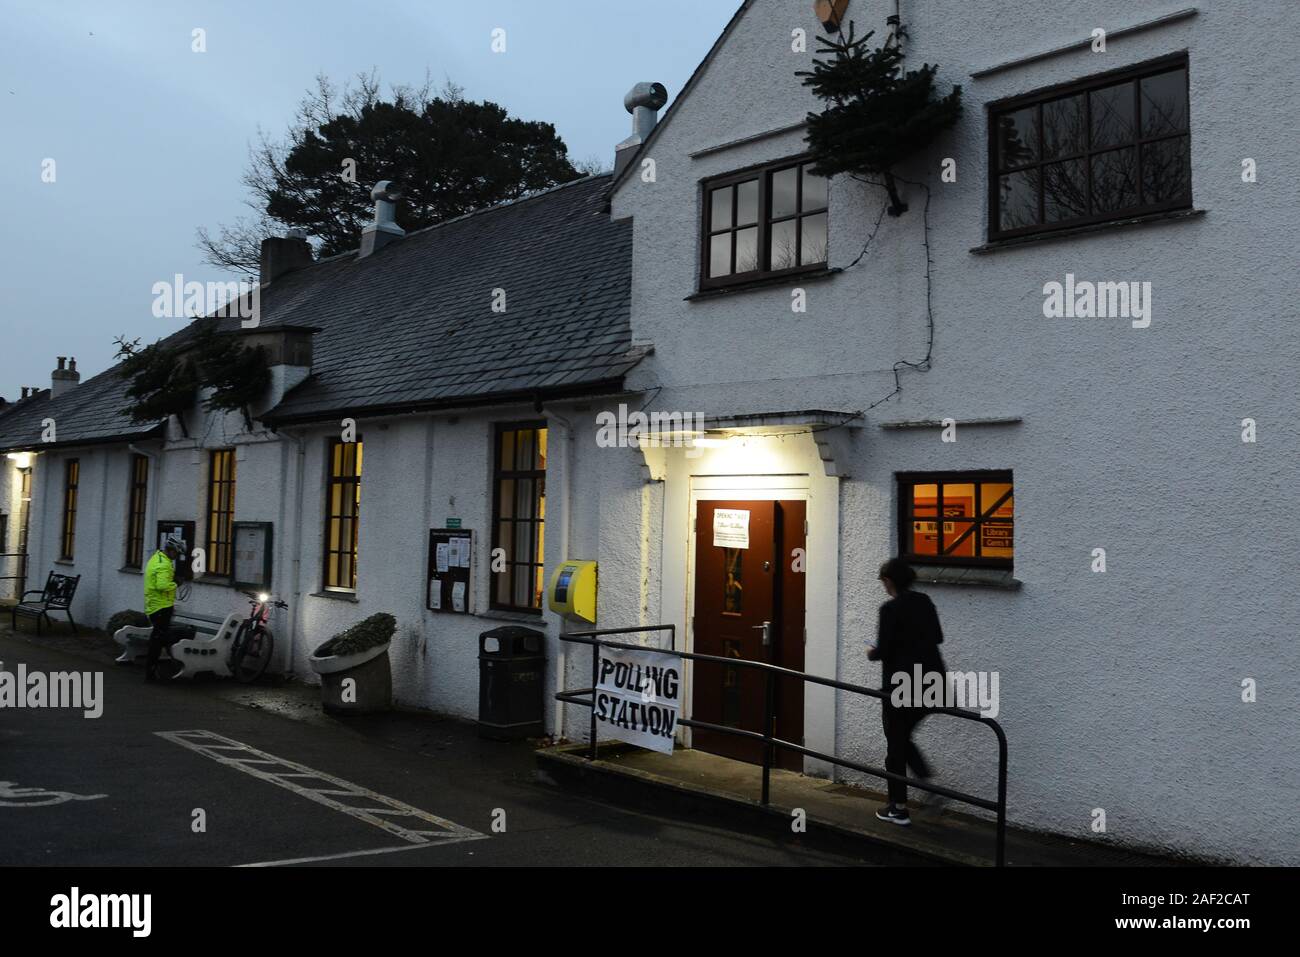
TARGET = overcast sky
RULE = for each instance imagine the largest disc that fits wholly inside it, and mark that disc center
(150, 139)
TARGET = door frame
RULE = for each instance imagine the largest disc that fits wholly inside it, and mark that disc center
(705, 488)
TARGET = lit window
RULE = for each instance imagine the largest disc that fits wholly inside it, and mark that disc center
(71, 476)
(957, 518)
(342, 514)
(519, 516)
(221, 512)
(136, 499)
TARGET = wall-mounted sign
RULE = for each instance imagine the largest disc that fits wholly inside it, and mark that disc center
(637, 697)
(252, 565)
(453, 523)
(731, 527)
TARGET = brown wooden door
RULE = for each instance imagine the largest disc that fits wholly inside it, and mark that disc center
(742, 581)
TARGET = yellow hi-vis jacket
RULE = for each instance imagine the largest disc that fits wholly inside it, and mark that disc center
(159, 584)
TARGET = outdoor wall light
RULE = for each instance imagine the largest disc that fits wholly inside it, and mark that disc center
(22, 460)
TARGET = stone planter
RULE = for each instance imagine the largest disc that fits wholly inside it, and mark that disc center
(373, 688)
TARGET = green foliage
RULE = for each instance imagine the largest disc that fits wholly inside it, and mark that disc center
(876, 115)
(374, 631)
(449, 155)
(162, 381)
(237, 374)
(166, 376)
(122, 619)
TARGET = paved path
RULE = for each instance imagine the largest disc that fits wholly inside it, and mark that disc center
(277, 781)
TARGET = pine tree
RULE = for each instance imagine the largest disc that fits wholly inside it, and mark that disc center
(876, 115)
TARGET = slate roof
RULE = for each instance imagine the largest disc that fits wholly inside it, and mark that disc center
(411, 326)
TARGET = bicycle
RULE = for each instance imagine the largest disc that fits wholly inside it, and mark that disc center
(250, 652)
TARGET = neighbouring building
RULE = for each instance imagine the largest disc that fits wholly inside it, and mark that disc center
(1093, 503)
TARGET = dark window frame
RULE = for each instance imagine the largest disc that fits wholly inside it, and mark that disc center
(350, 490)
(1086, 86)
(220, 537)
(137, 499)
(537, 524)
(908, 481)
(71, 481)
(763, 173)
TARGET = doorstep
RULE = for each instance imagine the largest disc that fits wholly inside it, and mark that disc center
(689, 782)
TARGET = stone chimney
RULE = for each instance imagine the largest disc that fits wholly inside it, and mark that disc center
(64, 378)
(282, 254)
(384, 229)
(643, 101)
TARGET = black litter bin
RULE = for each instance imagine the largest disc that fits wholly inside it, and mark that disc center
(511, 665)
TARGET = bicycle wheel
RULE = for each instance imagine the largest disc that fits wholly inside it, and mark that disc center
(251, 654)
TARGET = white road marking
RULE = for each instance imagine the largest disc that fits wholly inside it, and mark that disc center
(32, 797)
(379, 850)
(247, 759)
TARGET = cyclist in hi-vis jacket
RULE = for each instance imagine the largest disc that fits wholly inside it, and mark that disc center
(160, 601)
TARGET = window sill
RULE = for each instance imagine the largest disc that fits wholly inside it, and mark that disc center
(214, 580)
(497, 614)
(129, 570)
(1150, 219)
(766, 282)
(956, 575)
(349, 596)
(70, 562)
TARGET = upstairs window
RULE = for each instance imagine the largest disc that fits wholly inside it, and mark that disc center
(1108, 148)
(957, 518)
(765, 222)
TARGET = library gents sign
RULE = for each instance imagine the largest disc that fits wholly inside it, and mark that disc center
(637, 697)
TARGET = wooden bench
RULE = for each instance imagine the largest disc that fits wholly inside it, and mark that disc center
(55, 596)
(207, 651)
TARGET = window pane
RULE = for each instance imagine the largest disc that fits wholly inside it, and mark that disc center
(719, 256)
(1164, 103)
(813, 248)
(958, 500)
(1112, 115)
(1064, 132)
(814, 191)
(720, 209)
(541, 448)
(524, 500)
(507, 501)
(925, 531)
(991, 493)
(524, 449)
(747, 203)
(1018, 199)
(1017, 138)
(747, 250)
(958, 539)
(506, 537)
(1114, 180)
(1065, 190)
(784, 192)
(508, 450)
(784, 253)
(1167, 171)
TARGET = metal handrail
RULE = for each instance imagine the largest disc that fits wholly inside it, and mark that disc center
(596, 639)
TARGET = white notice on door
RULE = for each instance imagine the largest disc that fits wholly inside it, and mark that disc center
(731, 527)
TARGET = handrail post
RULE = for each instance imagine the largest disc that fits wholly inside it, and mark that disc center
(595, 680)
(769, 719)
(1002, 800)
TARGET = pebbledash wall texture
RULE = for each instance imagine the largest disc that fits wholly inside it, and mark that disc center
(1121, 690)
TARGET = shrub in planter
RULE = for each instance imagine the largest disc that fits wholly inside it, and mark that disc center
(122, 619)
(354, 669)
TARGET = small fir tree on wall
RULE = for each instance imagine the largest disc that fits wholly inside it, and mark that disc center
(876, 115)
(165, 377)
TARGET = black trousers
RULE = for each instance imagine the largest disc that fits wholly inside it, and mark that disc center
(160, 636)
(900, 752)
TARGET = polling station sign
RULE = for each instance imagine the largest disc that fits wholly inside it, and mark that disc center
(637, 697)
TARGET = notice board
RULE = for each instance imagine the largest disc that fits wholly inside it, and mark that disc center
(449, 575)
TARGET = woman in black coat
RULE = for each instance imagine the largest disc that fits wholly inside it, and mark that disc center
(908, 634)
